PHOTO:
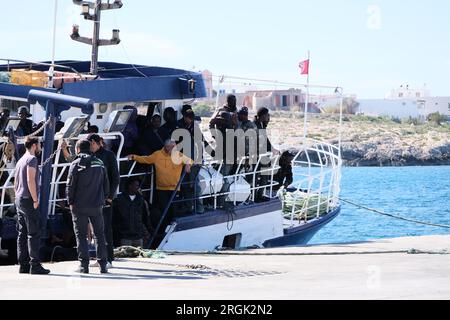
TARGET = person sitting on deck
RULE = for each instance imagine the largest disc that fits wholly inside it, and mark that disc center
(131, 215)
(284, 176)
(168, 167)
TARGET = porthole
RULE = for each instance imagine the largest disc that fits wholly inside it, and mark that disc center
(103, 107)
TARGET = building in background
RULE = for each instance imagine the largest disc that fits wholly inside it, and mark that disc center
(404, 92)
(208, 80)
(405, 102)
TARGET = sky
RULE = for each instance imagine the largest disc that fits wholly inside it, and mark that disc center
(367, 47)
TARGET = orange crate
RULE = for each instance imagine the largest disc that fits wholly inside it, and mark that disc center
(29, 78)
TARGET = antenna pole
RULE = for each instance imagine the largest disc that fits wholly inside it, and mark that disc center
(96, 37)
(52, 67)
(95, 41)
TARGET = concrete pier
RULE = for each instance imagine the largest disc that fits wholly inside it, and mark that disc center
(370, 270)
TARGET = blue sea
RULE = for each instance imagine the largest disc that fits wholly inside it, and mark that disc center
(421, 193)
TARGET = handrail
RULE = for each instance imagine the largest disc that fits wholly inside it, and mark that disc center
(166, 210)
(315, 193)
(42, 64)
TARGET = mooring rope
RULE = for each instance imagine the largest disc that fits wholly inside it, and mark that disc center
(394, 216)
(134, 252)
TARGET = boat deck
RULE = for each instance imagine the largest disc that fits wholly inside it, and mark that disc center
(369, 270)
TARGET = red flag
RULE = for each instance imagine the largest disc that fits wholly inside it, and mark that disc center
(304, 67)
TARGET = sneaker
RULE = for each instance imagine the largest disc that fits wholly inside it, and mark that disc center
(82, 269)
(39, 269)
(104, 268)
(24, 269)
(97, 265)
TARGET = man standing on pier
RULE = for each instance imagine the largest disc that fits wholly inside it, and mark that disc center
(112, 170)
(87, 189)
(26, 187)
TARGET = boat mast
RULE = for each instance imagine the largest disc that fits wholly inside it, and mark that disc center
(98, 6)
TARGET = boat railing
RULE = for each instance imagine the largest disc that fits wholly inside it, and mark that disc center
(60, 173)
(244, 174)
(16, 64)
(265, 166)
(316, 189)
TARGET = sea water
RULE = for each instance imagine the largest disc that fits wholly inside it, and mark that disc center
(420, 193)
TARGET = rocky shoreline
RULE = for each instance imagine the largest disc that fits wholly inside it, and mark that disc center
(368, 155)
(370, 141)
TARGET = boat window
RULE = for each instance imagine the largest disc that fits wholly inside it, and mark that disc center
(232, 241)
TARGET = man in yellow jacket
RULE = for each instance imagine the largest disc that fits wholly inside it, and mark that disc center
(168, 165)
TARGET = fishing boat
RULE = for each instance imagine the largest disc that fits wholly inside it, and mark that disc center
(70, 92)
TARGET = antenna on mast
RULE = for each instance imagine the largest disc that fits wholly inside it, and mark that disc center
(98, 6)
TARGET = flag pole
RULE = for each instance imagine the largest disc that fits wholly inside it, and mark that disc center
(52, 67)
(305, 125)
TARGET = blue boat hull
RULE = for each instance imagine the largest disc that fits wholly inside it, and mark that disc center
(301, 235)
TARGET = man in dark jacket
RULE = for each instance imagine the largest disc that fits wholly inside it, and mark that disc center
(264, 146)
(170, 118)
(112, 169)
(191, 188)
(87, 189)
(26, 125)
(231, 108)
(131, 213)
(284, 176)
(152, 137)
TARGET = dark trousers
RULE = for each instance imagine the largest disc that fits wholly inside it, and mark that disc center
(262, 179)
(162, 200)
(191, 190)
(108, 227)
(81, 219)
(227, 169)
(30, 231)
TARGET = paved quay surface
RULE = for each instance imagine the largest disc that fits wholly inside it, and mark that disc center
(381, 269)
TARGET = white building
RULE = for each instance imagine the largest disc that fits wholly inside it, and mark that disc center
(405, 92)
(405, 102)
(435, 104)
(390, 107)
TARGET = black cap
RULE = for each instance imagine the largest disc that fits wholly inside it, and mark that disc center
(25, 109)
(243, 111)
(185, 108)
(94, 137)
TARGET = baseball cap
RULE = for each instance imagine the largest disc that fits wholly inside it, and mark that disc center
(243, 111)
